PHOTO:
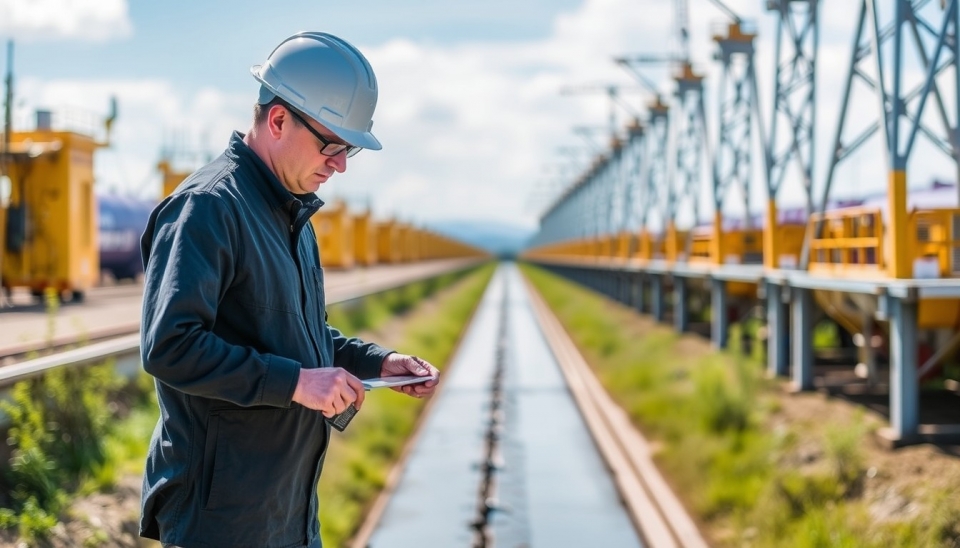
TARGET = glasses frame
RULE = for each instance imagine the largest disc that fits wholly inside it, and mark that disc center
(330, 148)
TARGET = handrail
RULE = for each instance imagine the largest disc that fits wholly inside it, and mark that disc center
(96, 352)
(850, 238)
(128, 346)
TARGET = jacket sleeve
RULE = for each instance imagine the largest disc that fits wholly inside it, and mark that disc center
(360, 359)
(190, 250)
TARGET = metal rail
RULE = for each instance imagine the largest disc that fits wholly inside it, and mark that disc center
(125, 350)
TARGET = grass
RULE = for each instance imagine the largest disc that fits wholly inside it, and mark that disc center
(724, 445)
(360, 458)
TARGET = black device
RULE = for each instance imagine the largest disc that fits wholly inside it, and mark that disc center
(343, 419)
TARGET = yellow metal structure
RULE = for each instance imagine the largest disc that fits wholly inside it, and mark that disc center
(625, 246)
(50, 225)
(364, 239)
(771, 245)
(847, 242)
(935, 245)
(388, 243)
(334, 227)
(171, 177)
(409, 243)
(899, 266)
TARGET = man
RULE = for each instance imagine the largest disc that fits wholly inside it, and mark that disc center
(234, 323)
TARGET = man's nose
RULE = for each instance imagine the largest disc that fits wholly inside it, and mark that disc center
(338, 162)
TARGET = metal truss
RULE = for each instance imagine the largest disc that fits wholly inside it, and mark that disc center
(901, 108)
(794, 95)
(738, 110)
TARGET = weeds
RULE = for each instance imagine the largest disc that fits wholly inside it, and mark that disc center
(711, 412)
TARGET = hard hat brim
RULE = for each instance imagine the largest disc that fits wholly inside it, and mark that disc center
(356, 138)
(362, 139)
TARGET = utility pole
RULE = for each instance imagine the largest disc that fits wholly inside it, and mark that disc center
(5, 157)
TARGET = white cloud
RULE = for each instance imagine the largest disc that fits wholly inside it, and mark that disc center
(479, 120)
(467, 128)
(91, 20)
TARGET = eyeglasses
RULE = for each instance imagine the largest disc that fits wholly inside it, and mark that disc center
(329, 147)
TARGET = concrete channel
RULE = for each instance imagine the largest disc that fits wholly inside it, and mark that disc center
(504, 440)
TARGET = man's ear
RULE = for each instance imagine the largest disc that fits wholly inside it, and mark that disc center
(278, 119)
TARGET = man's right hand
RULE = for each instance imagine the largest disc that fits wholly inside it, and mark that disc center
(329, 390)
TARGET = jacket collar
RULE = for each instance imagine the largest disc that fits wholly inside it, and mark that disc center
(268, 184)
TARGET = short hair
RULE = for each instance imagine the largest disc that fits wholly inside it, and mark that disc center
(260, 110)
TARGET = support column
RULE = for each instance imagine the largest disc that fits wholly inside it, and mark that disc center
(681, 319)
(904, 386)
(626, 288)
(639, 294)
(802, 310)
(867, 351)
(656, 297)
(778, 342)
(719, 322)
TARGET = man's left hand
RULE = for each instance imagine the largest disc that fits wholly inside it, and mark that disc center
(402, 364)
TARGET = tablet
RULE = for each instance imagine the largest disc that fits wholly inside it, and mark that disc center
(399, 380)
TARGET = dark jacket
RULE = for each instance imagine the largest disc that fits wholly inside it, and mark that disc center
(233, 308)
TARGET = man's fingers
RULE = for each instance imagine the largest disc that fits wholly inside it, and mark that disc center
(355, 391)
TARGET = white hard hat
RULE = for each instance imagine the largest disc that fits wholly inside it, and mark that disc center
(327, 79)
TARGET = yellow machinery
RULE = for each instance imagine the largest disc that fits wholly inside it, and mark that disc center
(171, 177)
(388, 242)
(412, 244)
(334, 227)
(625, 245)
(50, 222)
(364, 239)
(851, 243)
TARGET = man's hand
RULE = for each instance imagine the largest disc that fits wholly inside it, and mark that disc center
(329, 390)
(401, 364)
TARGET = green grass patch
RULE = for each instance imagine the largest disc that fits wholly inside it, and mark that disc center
(712, 415)
(360, 458)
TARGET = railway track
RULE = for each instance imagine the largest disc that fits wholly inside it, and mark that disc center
(114, 311)
(523, 447)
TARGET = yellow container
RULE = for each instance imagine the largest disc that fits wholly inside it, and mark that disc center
(388, 242)
(334, 228)
(52, 215)
(364, 239)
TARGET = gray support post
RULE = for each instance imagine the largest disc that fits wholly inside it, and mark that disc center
(904, 386)
(867, 351)
(656, 297)
(719, 322)
(626, 288)
(802, 309)
(778, 342)
(638, 296)
(681, 319)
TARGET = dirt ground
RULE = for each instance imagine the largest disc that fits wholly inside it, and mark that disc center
(107, 520)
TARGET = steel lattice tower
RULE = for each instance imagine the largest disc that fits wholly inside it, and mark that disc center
(690, 149)
(738, 110)
(794, 104)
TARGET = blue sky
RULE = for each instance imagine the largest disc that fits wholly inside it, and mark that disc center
(469, 112)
